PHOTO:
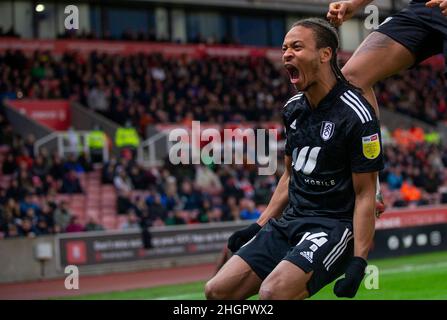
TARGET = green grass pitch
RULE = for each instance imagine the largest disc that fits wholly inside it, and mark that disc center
(421, 276)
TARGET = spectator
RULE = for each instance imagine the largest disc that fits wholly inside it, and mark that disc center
(47, 215)
(73, 143)
(93, 225)
(97, 99)
(15, 191)
(249, 212)
(410, 193)
(108, 171)
(74, 225)
(146, 236)
(70, 183)
(395, 179)
(207, 181)
(189, 197)
(138, 178)
(432, 182)
(57, 169)
(156, 210)
(29, 144)
(42, 227)
(40, 167)
(127, 138)
(28, 203)
(175, 217)
(73, 164)
(26, 229)
(124, 187)
(12, 231)
(96, 141)
(232, 208)
(62, 217)
(9, 165)
(131, 222)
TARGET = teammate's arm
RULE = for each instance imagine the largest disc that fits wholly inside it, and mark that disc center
(341, 11)
(274, 209)
(364, 226)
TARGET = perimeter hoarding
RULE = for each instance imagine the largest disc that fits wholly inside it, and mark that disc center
(397, 233)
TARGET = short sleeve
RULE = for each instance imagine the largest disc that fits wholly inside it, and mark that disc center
(287, 149)
(366, 147)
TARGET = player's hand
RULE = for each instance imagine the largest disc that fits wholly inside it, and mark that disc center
(380, 205)
(348, 286)
(340, 11)
(240, 237)
(442, 4)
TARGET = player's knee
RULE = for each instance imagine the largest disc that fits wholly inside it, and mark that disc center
(267, 292)
(280, 290)
(213, 292)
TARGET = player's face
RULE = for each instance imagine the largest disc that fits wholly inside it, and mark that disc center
(301, 57)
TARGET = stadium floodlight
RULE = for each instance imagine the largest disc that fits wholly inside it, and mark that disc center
(40, 8)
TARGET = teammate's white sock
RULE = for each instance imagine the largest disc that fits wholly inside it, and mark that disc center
(378, 193)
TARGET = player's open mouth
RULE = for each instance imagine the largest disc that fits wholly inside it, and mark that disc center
(294, 73)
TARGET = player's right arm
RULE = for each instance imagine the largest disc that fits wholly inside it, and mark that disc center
(274, 209)
(340, 11)
(280, 197)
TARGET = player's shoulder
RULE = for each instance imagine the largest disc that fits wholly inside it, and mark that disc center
(293, 104)
(355, 106)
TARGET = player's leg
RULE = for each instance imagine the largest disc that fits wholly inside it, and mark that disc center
(377, 58)
(224, 256)
(235, 280)
(286, 282)
(323, 249)
(242, 275)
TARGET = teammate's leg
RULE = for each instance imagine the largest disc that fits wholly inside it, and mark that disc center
(377, 58)
(235, 281)
(286, 282)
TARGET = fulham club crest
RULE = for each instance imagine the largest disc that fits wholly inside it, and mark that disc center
(327, 130)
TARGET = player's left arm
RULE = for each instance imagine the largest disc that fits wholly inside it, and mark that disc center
(364, 215)
(366, 160)
(442, 4)
(364, 227)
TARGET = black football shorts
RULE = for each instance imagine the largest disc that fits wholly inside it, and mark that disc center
(420, 29)
(321, 245)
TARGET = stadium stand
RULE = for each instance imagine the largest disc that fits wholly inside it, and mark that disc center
(145, 89)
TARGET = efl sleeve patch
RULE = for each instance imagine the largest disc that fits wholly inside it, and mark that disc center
(371, 146)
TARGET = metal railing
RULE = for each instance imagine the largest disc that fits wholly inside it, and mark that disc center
(70, 143)
(154, 150)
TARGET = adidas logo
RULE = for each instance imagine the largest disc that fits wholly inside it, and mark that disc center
(308, 255)
(293, 125)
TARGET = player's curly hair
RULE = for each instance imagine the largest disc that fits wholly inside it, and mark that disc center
(325, 36)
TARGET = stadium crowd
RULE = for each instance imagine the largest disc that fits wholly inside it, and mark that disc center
(418, 92)
(185, 194)
(147, 89)
(151, 88)
(132, 35)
